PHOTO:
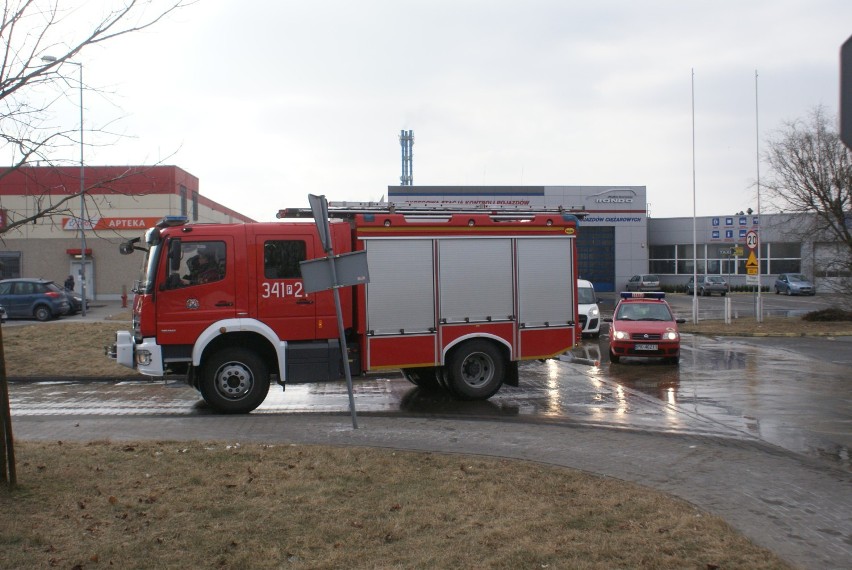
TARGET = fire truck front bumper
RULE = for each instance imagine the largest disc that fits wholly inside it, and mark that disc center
(146, 357)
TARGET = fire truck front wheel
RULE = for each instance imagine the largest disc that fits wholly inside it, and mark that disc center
(475, 370)
(235, 381)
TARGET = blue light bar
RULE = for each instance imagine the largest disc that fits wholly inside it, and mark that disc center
(643, 295)
(171, 221)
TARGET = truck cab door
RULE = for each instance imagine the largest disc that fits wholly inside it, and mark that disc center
(282, 302)
(191, 297)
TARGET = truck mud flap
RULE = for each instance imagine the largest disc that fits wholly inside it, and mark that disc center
(512, 378)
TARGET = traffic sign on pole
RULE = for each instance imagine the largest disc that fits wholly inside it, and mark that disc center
(751, 239)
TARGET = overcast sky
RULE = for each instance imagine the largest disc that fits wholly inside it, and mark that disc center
(266, 101)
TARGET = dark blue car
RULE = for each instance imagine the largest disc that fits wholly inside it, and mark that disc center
(75, 302)
(33, 298)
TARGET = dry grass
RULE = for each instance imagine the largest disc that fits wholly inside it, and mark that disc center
(180, 505)
(62, 349)
(771, 326)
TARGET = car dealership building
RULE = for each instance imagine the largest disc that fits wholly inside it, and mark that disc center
(616, 239)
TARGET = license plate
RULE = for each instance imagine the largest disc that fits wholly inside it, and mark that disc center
(646, 347)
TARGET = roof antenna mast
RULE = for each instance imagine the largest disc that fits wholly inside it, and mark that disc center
(406, 141)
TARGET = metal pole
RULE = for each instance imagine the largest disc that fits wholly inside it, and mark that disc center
(694, 230)
(82, 201)
(759, 309)
(344, 349)
(49, 59)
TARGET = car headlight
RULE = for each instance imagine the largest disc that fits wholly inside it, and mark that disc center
(619, 335)
(670, 335)
(594, 312)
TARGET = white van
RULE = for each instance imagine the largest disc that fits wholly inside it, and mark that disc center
(587, 305)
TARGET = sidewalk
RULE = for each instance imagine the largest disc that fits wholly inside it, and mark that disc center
(798, 508)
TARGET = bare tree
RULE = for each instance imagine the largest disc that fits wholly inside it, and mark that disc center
(36, 37)
(812, 175)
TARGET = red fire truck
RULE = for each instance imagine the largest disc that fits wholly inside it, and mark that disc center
(456, 298)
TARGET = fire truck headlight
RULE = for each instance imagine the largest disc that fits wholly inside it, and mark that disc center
(620, 335)
(671, 335)
(143, 357)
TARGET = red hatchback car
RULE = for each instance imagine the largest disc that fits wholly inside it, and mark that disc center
(643, 326)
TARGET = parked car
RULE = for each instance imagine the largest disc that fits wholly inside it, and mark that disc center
(643, 325)
(644, 283)
(75, 302)
(587, 305)
(794, 284)
(28, 298)
(707, 285)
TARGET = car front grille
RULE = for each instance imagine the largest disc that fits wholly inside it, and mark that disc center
(646, 336)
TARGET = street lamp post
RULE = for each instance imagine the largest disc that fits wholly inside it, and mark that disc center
(81, 220)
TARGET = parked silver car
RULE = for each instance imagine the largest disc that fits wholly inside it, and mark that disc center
(644, 283)
(794, 284)
(707, 285)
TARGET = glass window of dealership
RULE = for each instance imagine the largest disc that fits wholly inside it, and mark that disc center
(717, 247)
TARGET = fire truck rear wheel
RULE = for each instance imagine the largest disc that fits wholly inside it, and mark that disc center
(235, 381)
(476, 370)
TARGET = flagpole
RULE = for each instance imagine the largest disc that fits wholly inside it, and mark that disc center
(694, 231)
(759, 309)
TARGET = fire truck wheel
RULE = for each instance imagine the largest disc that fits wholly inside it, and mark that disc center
(475, 370)
(235, 381)
(421, 377)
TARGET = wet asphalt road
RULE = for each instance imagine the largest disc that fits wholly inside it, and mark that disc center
(791, 393)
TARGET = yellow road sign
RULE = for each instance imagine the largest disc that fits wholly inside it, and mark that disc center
(751, 270)
(751, 261)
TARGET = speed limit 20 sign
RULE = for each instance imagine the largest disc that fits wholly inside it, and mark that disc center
(751, 239)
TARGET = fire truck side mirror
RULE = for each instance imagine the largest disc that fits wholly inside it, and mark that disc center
(174, 254)
(129, 246)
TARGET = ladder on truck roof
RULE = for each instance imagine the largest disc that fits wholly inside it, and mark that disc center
(346, 209)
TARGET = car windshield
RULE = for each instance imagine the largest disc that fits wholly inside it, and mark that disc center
(797, 277)
(643, 312)
(716, 280)
(586, 296)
